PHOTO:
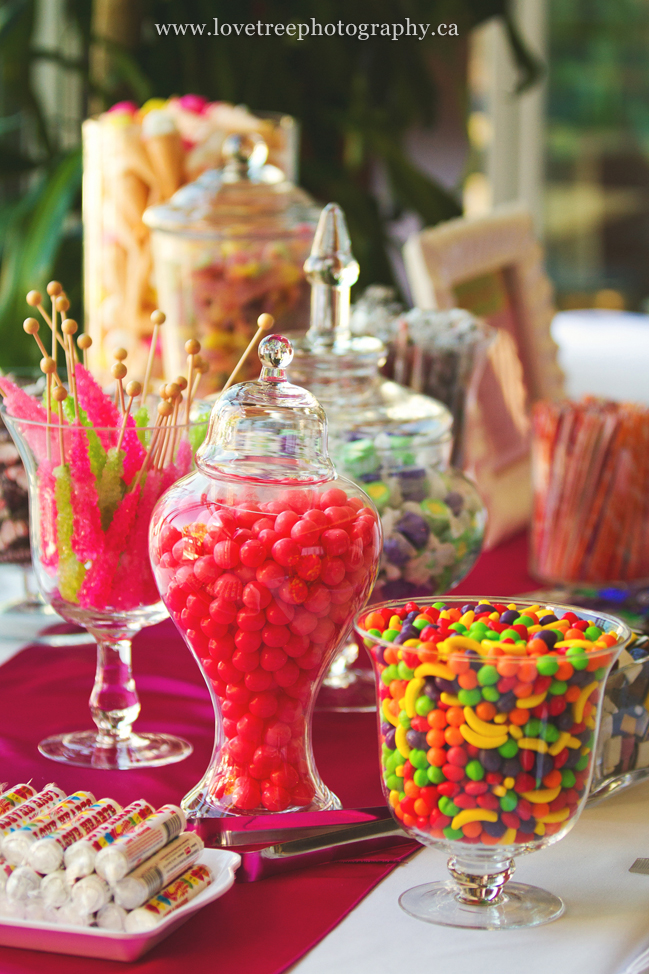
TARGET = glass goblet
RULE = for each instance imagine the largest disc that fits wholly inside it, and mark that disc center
(91, 493)
(486, 747)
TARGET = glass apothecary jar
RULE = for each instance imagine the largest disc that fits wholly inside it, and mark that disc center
(262, 557)
(227, 248)
(393, 442)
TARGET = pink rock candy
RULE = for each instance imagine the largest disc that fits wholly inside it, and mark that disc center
(23, 406)
(87, 536)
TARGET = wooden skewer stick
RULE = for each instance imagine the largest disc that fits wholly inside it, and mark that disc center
(264, 323)
(54, 289)
(118, 372)
(69, 327)
(164, 410)
(133, 389)
(172, 393)
(84, 342)
(34, 300)
(60, 395)
(192, 347)
(62, 305)
(157, 318)
(48, 367)
(31, 327)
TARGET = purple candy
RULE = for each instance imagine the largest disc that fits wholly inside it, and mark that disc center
(414, 528)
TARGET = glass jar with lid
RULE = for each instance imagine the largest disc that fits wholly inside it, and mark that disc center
(262, 557)
(394, 442)
(227, 248)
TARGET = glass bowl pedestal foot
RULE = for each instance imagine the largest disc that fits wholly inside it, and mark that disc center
(481, 900)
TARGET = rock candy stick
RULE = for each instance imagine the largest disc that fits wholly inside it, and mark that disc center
(71, 571)
(80, 858)
(30, 809)
(87, 535)
(46, 855)
(15, 796)
(21, 405)
(176, 894)
(101, 411)
(158, 871)
(17, 844)
(127, 852)
(48, 515)
(96, 588)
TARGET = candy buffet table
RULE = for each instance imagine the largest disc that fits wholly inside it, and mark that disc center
(265, 927)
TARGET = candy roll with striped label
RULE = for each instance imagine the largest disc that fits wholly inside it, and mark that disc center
(155, 873)
(16, 845)
(46, 854)
(15, 796)
(173, 896)
(80, 858)
(29, 809)
(115, 861)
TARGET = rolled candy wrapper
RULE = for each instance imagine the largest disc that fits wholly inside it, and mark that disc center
(29, 809)
(14, 909)
(16, 845)
(90, 894)
(22, 882)
(157, 872)
(6, 870)
(36, 910)
(55, 889)
(111, 917)
(176, 894)
(80, 857)
(15, 796)
(69, 916)
(127, 852)
(46, 855)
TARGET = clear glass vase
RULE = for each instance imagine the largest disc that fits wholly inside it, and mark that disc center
(90, 506)
(487, 750)
(263, 556)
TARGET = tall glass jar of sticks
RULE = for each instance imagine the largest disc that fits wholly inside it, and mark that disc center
(96, 465)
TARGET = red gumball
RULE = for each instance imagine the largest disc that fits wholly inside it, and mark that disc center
(252, 553)
(246, 793)
(256, 596)
(275, 799)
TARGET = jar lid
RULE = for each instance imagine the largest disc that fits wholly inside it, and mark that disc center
(268, 430)
(246, 197)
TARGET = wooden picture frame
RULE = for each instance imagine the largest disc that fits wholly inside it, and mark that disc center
(493, 267)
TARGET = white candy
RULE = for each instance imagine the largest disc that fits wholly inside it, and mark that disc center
(90, 894)
(55, 889)
(22, 882)
(111, 917)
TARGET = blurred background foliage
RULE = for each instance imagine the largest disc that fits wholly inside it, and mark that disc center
(354, 100)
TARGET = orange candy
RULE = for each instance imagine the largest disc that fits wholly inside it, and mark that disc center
(537, 646)
(455, 716)
(468, 680)
(519, 716)
(565, 671)
(390, 656)
(552, 779)
(453, 737)
(572, 693)
(486, 711)
(507, 666)
(422, 809)
(411, 789)
(472, 829)
(436, 756)
(435, 738)
(458, 664)
(522, 690)
(437, 719)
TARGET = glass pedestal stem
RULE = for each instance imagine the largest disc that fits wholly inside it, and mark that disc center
(114, 703)
(478, 889)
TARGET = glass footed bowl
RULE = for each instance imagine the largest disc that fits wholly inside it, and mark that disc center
(487, 746)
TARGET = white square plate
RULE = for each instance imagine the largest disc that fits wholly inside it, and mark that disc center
(117, 945)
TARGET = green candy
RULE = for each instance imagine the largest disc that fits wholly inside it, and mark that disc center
(380, 494)
(389, 674)
(524, 621)
(510, 634)
(435, 775)
(582, 763)
(469, 698)
(600, 673)
(420, 778)
(568, 779)
(392, 763)
(509, 801)
(197, 432)
(494, 636)
(450, 833)
(420, 624)
(405, 673)
(546, 665)
(390, 635)
(549, 733)
(423, 705)
(578, 658)
(509, 749)
(418, 759)
(374, 632)
(111, 487)
(557, 687)
(142, 421)
(393, 783)
(459, 628)
(447, 807)
(474, 770)
(404, 719)
(490, 694)
(487, 676)
(532, 727)
(593, 633)
(71, 571)
(439, 605)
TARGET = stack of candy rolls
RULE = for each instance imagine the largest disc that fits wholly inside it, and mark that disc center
(488, 715)
(74, 861)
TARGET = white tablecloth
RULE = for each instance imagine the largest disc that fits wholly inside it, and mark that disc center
(605, 353)
(605, 925)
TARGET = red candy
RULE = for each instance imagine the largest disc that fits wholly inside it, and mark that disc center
(262, 597)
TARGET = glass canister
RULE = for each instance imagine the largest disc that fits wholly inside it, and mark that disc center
(227, 248)
(262, 556)
(392, 441)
